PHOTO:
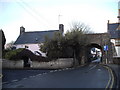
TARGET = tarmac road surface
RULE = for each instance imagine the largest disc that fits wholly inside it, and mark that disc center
(89, 76)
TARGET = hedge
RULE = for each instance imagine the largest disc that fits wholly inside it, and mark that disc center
(11, 55)
(19, 54)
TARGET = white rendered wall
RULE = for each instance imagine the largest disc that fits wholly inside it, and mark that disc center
(118, 50)
(113, 41)
(31, 47)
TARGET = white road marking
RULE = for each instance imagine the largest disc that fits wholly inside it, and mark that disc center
(51, 71)
(24, 78)
(19, 86)
(59, 70)
(14, 80)
(67, 68)
(92, 67)
(55, 70)
(99, 69)
(39, 75)
(30, 76)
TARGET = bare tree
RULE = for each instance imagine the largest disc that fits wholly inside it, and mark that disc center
(82, 27)
(9, 46)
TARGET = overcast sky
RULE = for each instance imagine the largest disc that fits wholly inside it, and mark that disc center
(40, 15)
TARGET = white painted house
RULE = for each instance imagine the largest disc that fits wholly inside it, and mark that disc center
(114, 31)
(33, 40)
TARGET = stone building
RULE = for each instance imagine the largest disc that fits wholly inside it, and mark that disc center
(114, 31)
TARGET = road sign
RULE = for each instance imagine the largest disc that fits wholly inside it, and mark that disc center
(106, 48)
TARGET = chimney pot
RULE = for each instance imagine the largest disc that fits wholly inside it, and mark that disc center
(22, 30)
(61, 28)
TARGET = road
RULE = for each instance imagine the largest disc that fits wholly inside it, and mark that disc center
(12, 75)
(90, 76)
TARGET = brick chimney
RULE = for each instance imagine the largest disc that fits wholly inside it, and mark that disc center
(61, 28)
(108, 26)
(22, 30)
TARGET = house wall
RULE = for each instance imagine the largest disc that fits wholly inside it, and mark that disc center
(117, 48)
(31, 47)
(113, 41)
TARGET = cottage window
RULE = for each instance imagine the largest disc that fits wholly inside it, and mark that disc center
(36, 39)
(26, 46)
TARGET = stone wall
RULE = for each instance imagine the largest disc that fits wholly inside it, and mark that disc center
(12, 64)
(102, 39)
(55, 64)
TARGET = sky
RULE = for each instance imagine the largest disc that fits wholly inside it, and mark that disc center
(41, 15)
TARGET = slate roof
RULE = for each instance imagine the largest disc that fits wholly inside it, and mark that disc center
(34, 37)
(114, 31)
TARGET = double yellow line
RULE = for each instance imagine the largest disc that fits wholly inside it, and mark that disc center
(1, 75)
(111, 79)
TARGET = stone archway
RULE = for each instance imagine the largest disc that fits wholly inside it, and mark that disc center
(88, 51)
(100, 40)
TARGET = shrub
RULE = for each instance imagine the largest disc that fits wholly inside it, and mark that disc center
(29, 54)
(11, 55)
(24, 54)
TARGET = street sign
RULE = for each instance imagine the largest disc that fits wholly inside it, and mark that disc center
(106, 48)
